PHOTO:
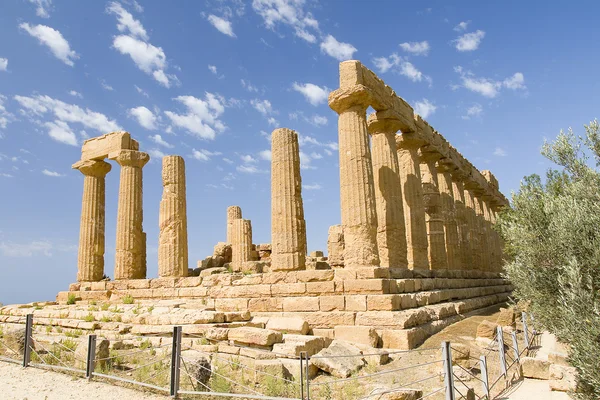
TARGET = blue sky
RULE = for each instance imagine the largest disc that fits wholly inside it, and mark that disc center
(209, 80)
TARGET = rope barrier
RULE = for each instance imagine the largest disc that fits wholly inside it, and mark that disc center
(376, 354)
(133, 352)
(431, 394)
(190, 376)
(397, 389)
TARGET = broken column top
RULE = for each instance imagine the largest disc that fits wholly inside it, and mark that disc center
(98, 148)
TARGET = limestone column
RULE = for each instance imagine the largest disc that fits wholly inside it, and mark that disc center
(483, 233)
(474, 238)
(433, 213)
(90, 260)
(357, 193)
(490, 234)
(172, 220)
(233, 213)
(130, 236)
(448, 214)
(462, 221)
(335, 246)
(288, 227)
(412, 195)
(241, 243)
(391, 232)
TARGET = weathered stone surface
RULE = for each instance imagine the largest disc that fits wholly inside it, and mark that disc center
(405, 339)
(233, 213)
(397, 394)
(341, 367)
(335, 246)
(264, 369)
(198, 367)
(217, 334)
(241, 245)
(255, 336)
(357, 334)
(293, 345)
(535, 368)
(486, 329)
(563, 378)
(102, 352)
(288, 325)
(100, 147)
(506, 317)
(288, 228)
(223, 250)
(433, 214)
(172, 221)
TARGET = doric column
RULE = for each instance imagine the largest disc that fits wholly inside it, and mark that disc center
(357, 193)
(448, 214)
(288, 228)
(474, 238)
(130, 237)
(241, 243)
(233, 213)
(335, 246)
(391, 232)
(433, 212)
(412, 195)
(90, 260)
(462, 222)
(483, 233)
(172, 220)
(490, 235)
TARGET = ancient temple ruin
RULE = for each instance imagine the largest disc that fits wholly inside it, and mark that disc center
(415, 249)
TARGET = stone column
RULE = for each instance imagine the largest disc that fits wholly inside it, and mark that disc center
(335, 246)
(462, 221)
(490, 235)
(90, 260)
(130, 237)
(448, 214)
(474, 238)
(241, 243)
(412, 194)
(288, 228)
(233, 213)
(172, 220)
(391, 232)
(483, 233)
(433, 213)
(357, 193)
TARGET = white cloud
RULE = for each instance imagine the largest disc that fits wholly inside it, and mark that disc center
(76, 94)
(305, 161)
(54, 40)
(265, 155)
(272, 121)
(318, 120)
(316, 186)
(204, 155)
(425, 108)
(461, 26)
(4, 174)
(227, 160)
(3, 64)
(156, 154)
(247, 158)
(383, 64)
(222, 25)
(51, 173)
(126, 22)
(248, 86)
(314, 94)
(262, 106)
(144, 116)
(10, 249)
(61, 132)
(416, 48)
(43, 6)
(141, 91)
(338, 50)
(517, 81)
(5, 116)
(248, 169)
(288, 12)
(202, 117)
(500, 152)
(160, 141)
(401, 66)
(212, 69)
(474, 111)
(106, 86)
(469, 41)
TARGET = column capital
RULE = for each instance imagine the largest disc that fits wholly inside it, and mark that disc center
(343, 99)
(429, 154)
(130, 158)
(383, 122)
(92, 168)
(408, 141)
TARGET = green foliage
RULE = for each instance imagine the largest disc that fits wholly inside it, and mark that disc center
(69, 344)
(146, 344)
(105, 306)
(128, 299)
(106, 318)
(71, 298)
(552, 236)
(89, 318)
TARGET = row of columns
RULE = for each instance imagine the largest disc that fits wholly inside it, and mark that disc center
(402, 205)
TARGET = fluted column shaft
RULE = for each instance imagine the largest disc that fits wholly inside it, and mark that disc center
(241, 243)
(483, 234)
(288, 227)
(130, 237)
(357, 193)
(491, 236)
(172, 239)
(433, 214)
(414, 209)
(391, 231)
(448, 213)
(90, 259)
(233, 213)
(474, 237)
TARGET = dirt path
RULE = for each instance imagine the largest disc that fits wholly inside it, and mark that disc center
(36, 384)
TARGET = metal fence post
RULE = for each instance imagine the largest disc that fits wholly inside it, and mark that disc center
(516, 347)
(484, 376)
(525, 332)
(301, 375)
(91, 357)
(307, 374)
(175, 361)
(448, 373)
(501, 354)
(27, 340)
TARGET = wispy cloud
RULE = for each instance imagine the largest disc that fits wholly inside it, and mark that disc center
(416, 48)
(52, 39)
(500, 152)
(314, 94)
(223, 25)
(489, 87)
(202, 116)
(469, 41)
(339, 50)
(474, 111)
(51, 173)
(425, 108)
(400, 66)
(144, 117)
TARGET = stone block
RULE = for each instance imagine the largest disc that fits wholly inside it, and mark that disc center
(341, 367)
(405, 339)
(265, 304)
(344, 274)
(486, 329)
(288, 325)
(217, 334)
(317, 253)
(255, 336)
(300, 304)
(227, 349)
(384, 302)
(372, 273)
(100, 147)
(535, 368)
(324, 319)
(318, 288)
(356, 302)
(252, 267)
(400, 394)
(366, 286)
(286, 289)
(506, 317)
(310, 344)
(266, 369)
(231, 304)
(315, 276)
(326, 333)
(357, 334)
(563, 378)
(293, 368)
(212, 271)
(331, 303)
